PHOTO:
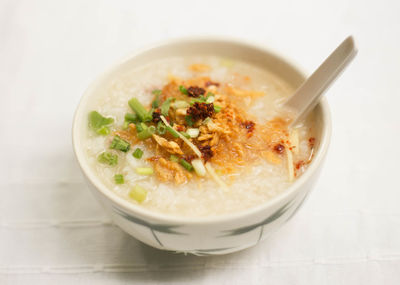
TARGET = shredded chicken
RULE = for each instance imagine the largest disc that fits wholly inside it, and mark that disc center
(170, 146)
(168, 171)
(128, 135)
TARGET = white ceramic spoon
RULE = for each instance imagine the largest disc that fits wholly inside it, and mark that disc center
(307, 95)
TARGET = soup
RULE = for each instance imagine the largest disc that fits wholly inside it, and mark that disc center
(197, 136)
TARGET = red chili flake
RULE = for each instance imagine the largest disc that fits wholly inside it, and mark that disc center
(180, 128)
(206, 152)
(311, 142)
(189, 157)
(156, 115)
(279, 148)
(194, 91)
(153, 158)
(249, 126)
(201, 110)
(299, 164)
(209, 83)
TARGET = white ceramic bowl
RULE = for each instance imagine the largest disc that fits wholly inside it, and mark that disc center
(204, 235)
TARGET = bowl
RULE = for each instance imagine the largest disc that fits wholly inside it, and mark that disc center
(214, 234)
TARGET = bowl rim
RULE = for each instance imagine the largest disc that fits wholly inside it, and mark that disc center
(212, 219)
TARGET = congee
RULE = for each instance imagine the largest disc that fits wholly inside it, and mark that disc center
(196, 136)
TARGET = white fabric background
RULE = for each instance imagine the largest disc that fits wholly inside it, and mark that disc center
(52, 229)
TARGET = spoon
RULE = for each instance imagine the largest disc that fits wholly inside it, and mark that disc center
(308, 94)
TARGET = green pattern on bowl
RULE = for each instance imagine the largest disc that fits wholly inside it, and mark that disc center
(154, 228)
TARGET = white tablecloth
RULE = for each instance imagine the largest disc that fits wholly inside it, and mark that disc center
(52, 229)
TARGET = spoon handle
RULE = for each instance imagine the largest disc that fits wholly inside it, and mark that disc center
(307, 95)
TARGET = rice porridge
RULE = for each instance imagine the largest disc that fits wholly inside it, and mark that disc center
(196, 136)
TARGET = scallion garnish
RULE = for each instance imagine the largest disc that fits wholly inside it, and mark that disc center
(174, 158)
(98, 123)
(210, 99)
(192, 132)
(156, 92)
(183, 89)
(125, 125)
(120, 144)
(104, 130)
(108, 158)
(139, 127)
(132, 118)
(138, 153)
(189, 120)
(180, 104)
(186, 135)
(161, 128)
(186, 164)
(198, 100)
(172, 132)
(206, 120)
(165, 106)
(199, 167)
(138, 193)
(140, 111)
(144, 170)
(146, 133)
(156, 102)
(119, 179)
(217, 108)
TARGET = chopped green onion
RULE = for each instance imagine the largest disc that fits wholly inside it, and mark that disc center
(156, 92)
(165, 106)
(132, 118)
(199, 167)
(188, 142)
(180, 104)
(104, 130)
(186, 135)
(147, 133)
(125, 125)
(193, 133)
(206, 120)
(217, 108)
(156, 101)
(140, 111)
(144, 126)
(174, 158)
(199, 100)
(161, 128)
(144, 170)
(185, 164)
(138, 193)
(183, 89)
(172, 132)
(210, 99)
(189, 120)
(151, 112)
(120, 144)
(97, 122)
(119, 179)
(108, 158)
(138, 153)
(209, 94)
(139, 127)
